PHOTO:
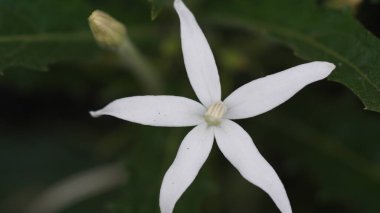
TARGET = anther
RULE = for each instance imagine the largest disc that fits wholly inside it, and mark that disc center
(214, 113)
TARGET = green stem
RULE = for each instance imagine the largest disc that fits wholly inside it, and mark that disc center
(140, 67)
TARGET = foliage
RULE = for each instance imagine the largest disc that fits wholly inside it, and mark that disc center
(34, 39)
(315, 33)
(323, 145)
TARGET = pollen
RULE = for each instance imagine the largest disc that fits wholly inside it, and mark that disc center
(215, 113)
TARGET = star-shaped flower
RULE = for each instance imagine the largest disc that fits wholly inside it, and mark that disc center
(213, 117)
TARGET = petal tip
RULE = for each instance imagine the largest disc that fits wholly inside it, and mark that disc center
(325, 68)
(329, 67)
(95, 114)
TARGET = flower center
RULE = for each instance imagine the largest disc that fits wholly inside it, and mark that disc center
(215, 113)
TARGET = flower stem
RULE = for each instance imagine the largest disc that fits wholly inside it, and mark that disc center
(141, 68)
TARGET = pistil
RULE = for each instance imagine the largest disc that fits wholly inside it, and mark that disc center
(215, 113)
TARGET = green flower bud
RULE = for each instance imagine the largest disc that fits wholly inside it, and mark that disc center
(107, 31)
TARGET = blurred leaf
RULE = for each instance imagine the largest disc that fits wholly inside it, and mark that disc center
(314, 33)
(346, 5)
(42, 32)
(157, 6)
(147, 164)
(335, 146)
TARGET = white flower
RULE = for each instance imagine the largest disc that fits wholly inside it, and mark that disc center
(212, 117)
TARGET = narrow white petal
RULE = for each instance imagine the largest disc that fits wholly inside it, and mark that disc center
(155, 110)
(238, 147)
(199, 60)
(191, 155)
(266, 93)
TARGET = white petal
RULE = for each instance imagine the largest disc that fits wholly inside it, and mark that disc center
(199, 61)
(266, 93)
(238, 147)
(191, 155)
(155, 110)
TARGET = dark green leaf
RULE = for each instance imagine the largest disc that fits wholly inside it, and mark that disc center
(42, 32)
(340, 154)
(157, 6)
(314, 33)
(146, 166)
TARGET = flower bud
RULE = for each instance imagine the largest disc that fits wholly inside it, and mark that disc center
(107, 31)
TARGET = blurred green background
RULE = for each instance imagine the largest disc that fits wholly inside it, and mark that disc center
(322, 143)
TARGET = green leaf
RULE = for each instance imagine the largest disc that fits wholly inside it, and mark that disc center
(157, 6)
(36, 33)
(146, 166)
(339, 151)
(314, 33)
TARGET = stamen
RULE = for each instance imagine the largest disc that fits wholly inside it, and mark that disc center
(215, 113)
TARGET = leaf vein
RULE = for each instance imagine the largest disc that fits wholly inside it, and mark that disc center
(328, 51)
(47, 37)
